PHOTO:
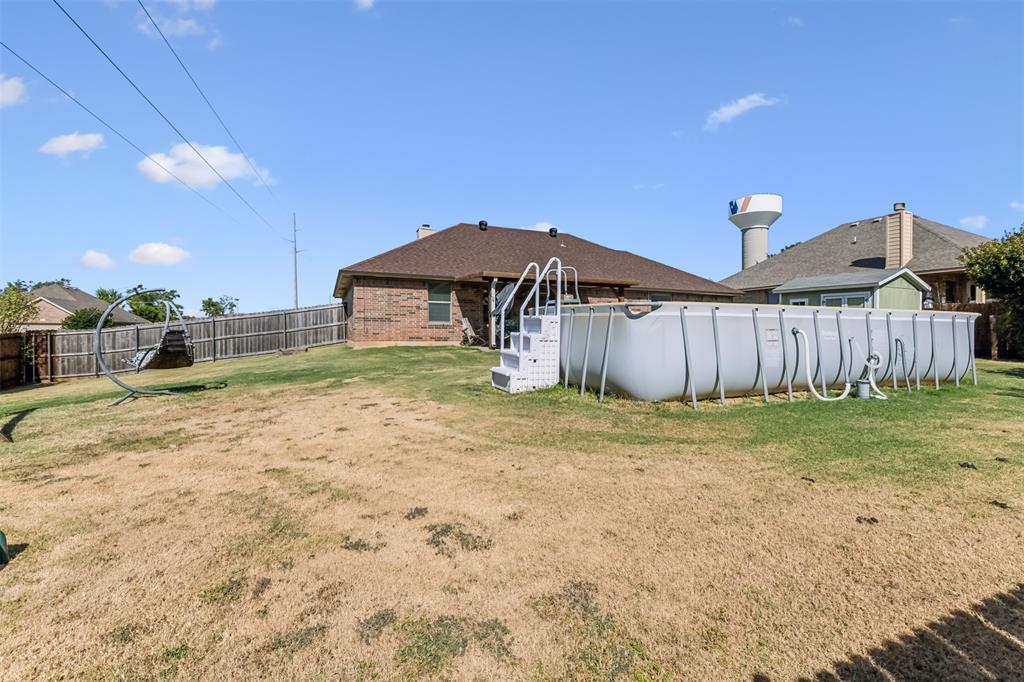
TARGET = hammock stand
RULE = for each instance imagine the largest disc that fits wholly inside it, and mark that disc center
(173, 350)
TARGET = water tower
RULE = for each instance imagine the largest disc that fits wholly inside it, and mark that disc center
(754, 214)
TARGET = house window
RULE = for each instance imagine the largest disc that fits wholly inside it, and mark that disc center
(798, 301)
(857, 300)
(660, 296)
(439, 302)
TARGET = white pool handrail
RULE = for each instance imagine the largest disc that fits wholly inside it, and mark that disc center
(535, 291)
(511, 297)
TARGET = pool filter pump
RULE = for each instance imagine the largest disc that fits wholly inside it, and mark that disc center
(863, 389)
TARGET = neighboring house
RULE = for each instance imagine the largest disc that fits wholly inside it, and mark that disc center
(421, 291)
(895, 289)
(869, 247)
(54, 303)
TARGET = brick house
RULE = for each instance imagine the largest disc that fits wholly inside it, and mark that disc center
(867, 247)
(55, 302)
(420, 291)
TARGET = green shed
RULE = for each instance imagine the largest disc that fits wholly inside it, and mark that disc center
(896, 288)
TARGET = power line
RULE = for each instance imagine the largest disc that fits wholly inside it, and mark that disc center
(167, 120)
(111, 128)
(207, 100)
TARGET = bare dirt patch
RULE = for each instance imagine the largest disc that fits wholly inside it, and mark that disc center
(248, 533)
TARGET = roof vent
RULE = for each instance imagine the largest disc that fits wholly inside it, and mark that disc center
(553, 231)
(424, 230)
(482, 225)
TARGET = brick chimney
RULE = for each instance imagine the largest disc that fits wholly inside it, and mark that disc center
(899, 236)
(424, 230)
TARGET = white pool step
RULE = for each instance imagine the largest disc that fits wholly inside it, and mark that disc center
(531, 361)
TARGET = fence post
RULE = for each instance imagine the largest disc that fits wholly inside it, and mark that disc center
(284, 330)
(49, 357)
(213, 337)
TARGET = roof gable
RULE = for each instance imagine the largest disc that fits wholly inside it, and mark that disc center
(464, 251)
(73, 299)
(856, 246)
(845, 280)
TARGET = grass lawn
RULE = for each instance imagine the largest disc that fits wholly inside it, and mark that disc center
(385, 514)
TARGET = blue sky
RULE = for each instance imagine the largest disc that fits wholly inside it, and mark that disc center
(632, 124)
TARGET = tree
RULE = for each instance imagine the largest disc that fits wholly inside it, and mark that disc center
(108, 295)
(225, 305)
(16, 309)
(86, 318)
(150, 306)
(998, 268)
(29, 285)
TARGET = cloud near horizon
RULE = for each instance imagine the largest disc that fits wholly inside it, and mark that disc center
(728, 112)
(62, 145)
(364, 5)
(158, 253)
(187, 165)
(12, 91)
(974, 222)
(96, 260)
(1016, 205)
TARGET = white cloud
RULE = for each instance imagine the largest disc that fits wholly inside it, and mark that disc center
(186, 5)
(62, 145)
(728, 112)
(364, 4)
(96, 260)
(796, 21)
(182, 25)
(974, 222)
(12, 91)
(188, 166)
(216, 40)
(158, 253)
(173, 26)
(540, 226)
(1016, 205)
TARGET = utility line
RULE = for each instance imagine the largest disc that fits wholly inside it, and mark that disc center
(112, 128)
(207, 100)
(167, 120)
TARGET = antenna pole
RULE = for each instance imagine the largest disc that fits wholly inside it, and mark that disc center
(295, 259)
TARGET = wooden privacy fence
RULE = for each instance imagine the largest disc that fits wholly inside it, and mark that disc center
(987, 343)
(12, 364)
(70, 354)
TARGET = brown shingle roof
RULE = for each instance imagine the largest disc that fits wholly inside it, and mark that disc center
(464, 251)
(73, 299)
(936, 248)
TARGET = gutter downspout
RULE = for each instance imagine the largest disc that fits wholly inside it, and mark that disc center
(490, 310)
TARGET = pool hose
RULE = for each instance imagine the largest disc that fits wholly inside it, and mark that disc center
(871, 363)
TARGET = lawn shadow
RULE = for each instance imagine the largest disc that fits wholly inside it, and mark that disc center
(1017, 372)
(983, 642)
(199, 388)
(7, 430)
(13, 551)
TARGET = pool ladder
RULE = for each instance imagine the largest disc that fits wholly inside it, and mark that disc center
(531, 360)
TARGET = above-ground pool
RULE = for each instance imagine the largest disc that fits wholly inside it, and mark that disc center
(688, 351)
